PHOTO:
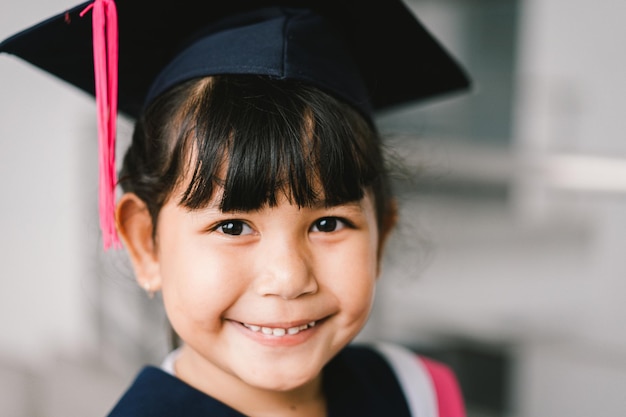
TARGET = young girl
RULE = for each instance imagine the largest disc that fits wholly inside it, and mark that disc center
(256, 199)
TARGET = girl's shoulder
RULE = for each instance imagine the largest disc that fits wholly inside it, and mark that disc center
(157, 393)
(430, 387)
(385, 379)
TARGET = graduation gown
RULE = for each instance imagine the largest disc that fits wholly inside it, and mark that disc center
(382, 380)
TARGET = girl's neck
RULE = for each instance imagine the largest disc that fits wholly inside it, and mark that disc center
(304, 401)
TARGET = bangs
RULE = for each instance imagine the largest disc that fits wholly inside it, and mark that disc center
(259, 139)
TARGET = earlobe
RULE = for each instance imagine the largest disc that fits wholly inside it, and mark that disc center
(135, 227)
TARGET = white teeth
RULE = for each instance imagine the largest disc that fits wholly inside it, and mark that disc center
(279, 331)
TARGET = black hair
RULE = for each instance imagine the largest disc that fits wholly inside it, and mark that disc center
(254, 137)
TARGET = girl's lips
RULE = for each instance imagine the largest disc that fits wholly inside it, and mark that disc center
(280, 331)
(279, 335)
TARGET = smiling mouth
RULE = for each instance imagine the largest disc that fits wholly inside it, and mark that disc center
(279, 331)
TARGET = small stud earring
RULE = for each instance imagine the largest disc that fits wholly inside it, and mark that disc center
(148, 289)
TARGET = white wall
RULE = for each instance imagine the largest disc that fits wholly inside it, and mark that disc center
(572, 88)
(48, 194)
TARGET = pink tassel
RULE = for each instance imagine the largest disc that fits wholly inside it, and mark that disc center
(105, 56)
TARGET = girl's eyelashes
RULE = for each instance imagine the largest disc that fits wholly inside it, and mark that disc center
(329, 224)
(233, 228)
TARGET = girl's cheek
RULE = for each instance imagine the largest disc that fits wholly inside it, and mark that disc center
(204, 281)
(190, 306)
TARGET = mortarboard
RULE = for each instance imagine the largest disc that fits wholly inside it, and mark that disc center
(373, 54)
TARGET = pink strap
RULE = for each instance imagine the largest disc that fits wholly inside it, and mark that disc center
(449, 397)
(105, 56)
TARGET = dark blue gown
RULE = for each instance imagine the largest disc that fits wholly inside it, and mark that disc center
(357, 382)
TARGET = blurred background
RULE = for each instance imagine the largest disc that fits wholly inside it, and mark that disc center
(508, 263)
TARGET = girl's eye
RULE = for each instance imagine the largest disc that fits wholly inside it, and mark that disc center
(234, 228)
(328, 224)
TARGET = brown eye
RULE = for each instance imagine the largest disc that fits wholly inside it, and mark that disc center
(327, 225)
(234, 228)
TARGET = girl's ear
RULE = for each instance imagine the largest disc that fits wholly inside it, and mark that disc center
(135, 227)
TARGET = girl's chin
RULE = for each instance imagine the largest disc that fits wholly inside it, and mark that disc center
(281, 382)
(278, 378)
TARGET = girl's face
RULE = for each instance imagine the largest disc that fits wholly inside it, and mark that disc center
(267, 297)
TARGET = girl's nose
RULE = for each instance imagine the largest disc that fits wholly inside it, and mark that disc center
(285, 270)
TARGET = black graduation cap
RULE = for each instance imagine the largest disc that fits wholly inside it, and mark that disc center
(375, 42)
(372, 54)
